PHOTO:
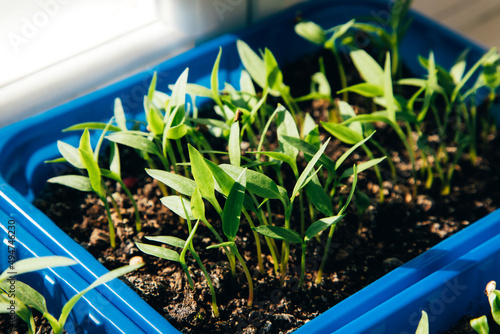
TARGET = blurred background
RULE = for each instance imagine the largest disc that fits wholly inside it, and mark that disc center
(55, 50)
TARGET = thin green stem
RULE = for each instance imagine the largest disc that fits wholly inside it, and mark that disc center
(215, 309)
(113, 202)
(325, 255)
(343, 78)
(302, 264)
(229, 254)
(376, 168)
(171, 156)
(110, 223)
(257, 242)
(247, 274)
(138, 224)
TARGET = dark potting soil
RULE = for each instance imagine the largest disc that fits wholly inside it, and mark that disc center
(19, 327)
(365, 247)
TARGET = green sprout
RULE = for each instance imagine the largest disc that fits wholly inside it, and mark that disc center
(84, 158)
(480, 325)
(423, 324)
(315, 34)
(28, 298)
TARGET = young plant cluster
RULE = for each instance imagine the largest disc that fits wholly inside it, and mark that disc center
(436, 123)
(25, 299)
(284, 191)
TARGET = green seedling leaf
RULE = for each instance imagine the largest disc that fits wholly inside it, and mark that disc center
(308, 125)
(56, 161)
(222, 244)
(110, 175)
(274, 74)
(224, 181)
(177, 204)
(256, 183)
(177, 132)
(480, 325)
(214, 79)
(134, 141)
(231, 213)
(388, 92)
(310, 150)
(346, 154)
(179, 183)
(234, 146)
(494, 299)
(318, 197)
(101, 139)
(458, 69)
(311, 32)
(246, 84)
(343, 133)
(178, 97)
(321, 81)
(114, 165)
(254, 65)
(364, 89)
(202, 175)
(172, 241)
(286, 126)
(101, 280)
(368, 67)
(27, 295)
(197, 205)
(37, 263)
(87, 157)
(353, 188)
(313, 138)
(153, 118)
(120, 115)
(22, 311)
(152, 86)
(346, 111)
(77, 182)
(158, 251)
(423, 325)
(71, 154)
(321, 225)
(339, 31)
(281, 157)
(301, 182)
(92, 126)
(279, 233)
(198, 90)
(362, 167)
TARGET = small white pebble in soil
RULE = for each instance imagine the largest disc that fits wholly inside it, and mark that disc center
(136, 260)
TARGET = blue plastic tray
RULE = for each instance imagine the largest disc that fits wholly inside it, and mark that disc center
(92, 314)
(25, 145)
